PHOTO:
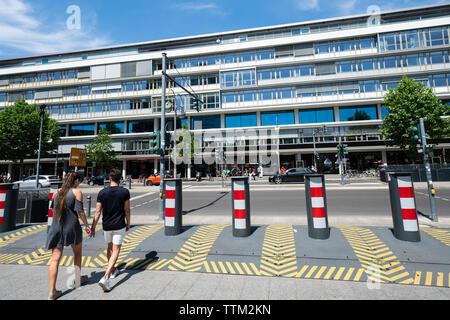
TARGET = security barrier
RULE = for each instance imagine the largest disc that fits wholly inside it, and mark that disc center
(240, 206)
(8, 206)
(403, 205)
(173, 207)
(316, 207)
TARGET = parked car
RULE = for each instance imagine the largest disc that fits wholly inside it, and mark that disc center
(44, 181)
(291, 175)
(156, 179)
(100, 180)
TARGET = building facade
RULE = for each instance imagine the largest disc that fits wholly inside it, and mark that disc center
(293, 79)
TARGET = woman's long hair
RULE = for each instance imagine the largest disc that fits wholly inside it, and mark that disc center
(68, 184)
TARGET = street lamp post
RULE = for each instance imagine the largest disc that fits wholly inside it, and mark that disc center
(41, 114)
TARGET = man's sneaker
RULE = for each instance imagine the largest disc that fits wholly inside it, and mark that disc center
(104, 283)
(114, 274)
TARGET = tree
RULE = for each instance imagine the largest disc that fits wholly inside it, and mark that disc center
(101, 150)
(408, 102)
(19, 133)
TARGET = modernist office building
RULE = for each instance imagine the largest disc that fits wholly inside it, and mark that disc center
(291, 78)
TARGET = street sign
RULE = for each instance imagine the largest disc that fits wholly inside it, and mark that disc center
(77, 157)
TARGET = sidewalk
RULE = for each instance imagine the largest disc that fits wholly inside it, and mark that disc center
(31, 283)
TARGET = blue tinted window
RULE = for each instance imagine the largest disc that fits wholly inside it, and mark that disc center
(206, 122)
(277, 118)
(136, 126)
(82, 129)
(316, 115)
(112, 127)
(358, 113)
(240, 120)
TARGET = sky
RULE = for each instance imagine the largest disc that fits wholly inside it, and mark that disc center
(29, 28)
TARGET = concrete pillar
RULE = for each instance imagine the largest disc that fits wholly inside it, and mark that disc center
(155, 165)
(124, 169)
(189, 171)
(65, 168)
(10, 171)
(384, 156)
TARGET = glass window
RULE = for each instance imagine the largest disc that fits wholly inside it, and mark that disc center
(112, 127)
(412, 60)
(358, 113)
(277, 118)
(440, 80)
(436, 37)
(205, 122)
(316, 115)
(389, 62)
(240, 120)
(135, 126)
(367, 64)
(81, 129)
(437, 57)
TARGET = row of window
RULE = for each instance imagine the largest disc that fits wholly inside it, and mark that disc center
(437, 80)
(356, 65)
(412, 39)
(345, 45)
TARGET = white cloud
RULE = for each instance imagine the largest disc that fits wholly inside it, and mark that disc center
(21, 30)
(307, 4)
(196, 6)
(210, 7)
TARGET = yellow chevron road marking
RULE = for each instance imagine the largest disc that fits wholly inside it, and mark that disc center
(278, 252)
(130, 242)
(439, 234)
(378, 261)
(13, 237)
(228, 267)
(194, 251)
(9, 258)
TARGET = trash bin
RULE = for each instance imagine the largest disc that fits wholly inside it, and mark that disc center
(9, 193)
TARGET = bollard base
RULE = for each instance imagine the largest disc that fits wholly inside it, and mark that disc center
(321, 234)
(172, 231)
(407, 236)
(241, 233)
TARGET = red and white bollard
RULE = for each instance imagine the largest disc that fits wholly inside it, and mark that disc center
(403, 205)
(2, 203)
(316, 207)
(173, 206)
(241, 206)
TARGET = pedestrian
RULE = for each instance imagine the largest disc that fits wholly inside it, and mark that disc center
(66, 230)
(114, 204)
(254, 174)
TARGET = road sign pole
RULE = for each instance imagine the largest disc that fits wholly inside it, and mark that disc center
(434, 216)
(163, 139)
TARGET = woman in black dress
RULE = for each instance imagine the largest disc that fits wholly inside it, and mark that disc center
(66, 230)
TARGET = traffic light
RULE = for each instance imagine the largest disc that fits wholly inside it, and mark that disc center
(155, 142)
(344, 149)
(169, 142)
(339, 148)
(429, 148)
(416, 136)
(196, 105)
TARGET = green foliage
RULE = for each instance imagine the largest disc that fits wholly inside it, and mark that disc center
(19, 132)
(101, 150)
(406, 104)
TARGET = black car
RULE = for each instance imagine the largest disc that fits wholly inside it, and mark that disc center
(291, 175)
(100, 180)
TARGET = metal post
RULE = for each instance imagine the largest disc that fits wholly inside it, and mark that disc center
(314, 142)
(129, 183)
(89, 206)
(41, 113)
(175, 141)
(434, 216)
(163, 138)
(340, 163)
